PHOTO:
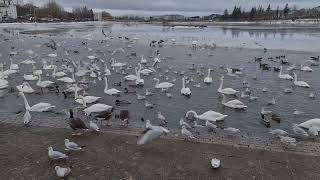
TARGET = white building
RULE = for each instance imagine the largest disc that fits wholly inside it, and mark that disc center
(7, 10)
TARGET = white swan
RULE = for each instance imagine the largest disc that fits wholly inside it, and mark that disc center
(208, 79)
(57, 74)
(30, 77)
(43, 84)
(107, 71)
(132, 77)
(25, 87)
(305, 68)
(139, 80)
(163, 85)
(185, 91)
(13, 66)
(95, 108)
(68, 79)
(40, 107)
(284, 76)
(209, 115)
(227, 91)
(111, 91)
(117, 64)
(143, 60)
(145, 72)
(3, 83)
(85, 99)
(235, 104)
(300, 83)
(310, 123)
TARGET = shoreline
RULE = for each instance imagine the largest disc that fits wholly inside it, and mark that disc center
(114, 156)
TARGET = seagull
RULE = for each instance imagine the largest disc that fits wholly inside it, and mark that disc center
(278, 132)
(186, 133)
(94, 127)
(72, 145)
(62, 172)
(210, 125)
(183, 123)
(299, 131)
(56, 154)
(151, 133)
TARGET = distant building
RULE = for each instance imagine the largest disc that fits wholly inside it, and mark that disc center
(8, 10)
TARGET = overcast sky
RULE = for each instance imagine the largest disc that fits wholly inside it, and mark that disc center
(145, 7)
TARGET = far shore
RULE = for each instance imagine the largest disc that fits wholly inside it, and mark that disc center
(297, 23)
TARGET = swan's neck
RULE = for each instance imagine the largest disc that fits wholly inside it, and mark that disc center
(157, 82)
(183, 83)
(26, 104)
(221, 84)
(208, 73)
(39, 79)
(295, 78)
(140, 67)
(223, 99)
(106, 82)
(73, 77)
(54, 71)
(76, 96)
(280, 72)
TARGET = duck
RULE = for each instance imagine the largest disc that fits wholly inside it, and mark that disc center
(185, 91)
(39, 107)
(25, 87)
(305, 68)
(209, 115)
(208, 79)
(226, 91)
(163, 85)
(284, 76)
(300, 83)
(235, 104)
(96, 108)
(111, 91)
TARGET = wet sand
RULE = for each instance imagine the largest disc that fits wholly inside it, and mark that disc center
(23, 153)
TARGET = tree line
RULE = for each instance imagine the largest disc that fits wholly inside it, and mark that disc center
(52, 10)
(260, 13)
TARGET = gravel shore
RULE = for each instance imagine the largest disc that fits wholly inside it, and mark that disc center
(23, 153)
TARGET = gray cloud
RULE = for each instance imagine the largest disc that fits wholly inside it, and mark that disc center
(214, 6)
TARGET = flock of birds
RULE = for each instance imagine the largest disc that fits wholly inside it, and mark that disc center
(72, 75)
